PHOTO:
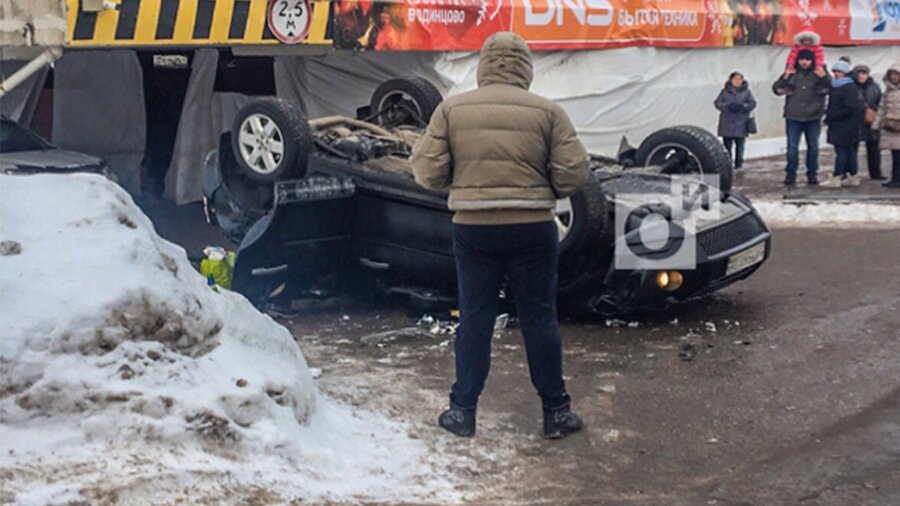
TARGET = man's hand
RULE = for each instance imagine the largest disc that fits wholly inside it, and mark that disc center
(788, 72)
(819, 72)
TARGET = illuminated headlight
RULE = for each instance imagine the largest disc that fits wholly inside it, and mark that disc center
(669, 280)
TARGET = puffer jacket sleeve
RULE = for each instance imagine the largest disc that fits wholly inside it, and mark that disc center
(431, 159)
(783, 86)
(568, 159)
(750, 103)
(721, 101)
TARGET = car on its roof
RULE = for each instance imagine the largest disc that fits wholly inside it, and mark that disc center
(332, 203)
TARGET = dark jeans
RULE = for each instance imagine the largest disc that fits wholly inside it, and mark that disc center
(895, 165)
(845, 160)
(810, 130)
(527, 254)
(873, 159)
(738, 143)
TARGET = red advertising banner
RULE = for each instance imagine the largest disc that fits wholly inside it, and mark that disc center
(443, 25)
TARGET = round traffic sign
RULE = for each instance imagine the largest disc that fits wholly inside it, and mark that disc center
(289, 20)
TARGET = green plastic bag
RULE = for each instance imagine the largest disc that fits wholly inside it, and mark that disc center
(219, 269)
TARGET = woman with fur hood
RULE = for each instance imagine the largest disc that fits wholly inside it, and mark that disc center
(887, 122)
(735, 102)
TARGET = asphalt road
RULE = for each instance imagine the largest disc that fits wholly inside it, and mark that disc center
(791, 394)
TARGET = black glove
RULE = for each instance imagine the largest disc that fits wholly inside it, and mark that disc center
(735, 108)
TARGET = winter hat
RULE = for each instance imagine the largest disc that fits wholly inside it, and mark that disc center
(862, 68)
(808, 33)
(806, 54)
(841, 66)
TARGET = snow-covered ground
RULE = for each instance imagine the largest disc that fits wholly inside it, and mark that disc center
(124, 379)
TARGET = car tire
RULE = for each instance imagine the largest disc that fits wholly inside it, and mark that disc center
(392, 98)
(580, 247)
(708, 154)
(264, 127)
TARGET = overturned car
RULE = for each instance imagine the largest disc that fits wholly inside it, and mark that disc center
(331, 204)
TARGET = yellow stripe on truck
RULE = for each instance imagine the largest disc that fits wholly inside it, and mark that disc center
(221, 21)
(148, 16)
(139, 23)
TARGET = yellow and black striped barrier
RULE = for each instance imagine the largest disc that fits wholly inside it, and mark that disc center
(184, 23)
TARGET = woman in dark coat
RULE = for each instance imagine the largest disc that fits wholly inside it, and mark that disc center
(870, 93)
(734, 103)
(843, 117)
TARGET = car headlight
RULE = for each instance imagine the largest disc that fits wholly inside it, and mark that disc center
(669, 280)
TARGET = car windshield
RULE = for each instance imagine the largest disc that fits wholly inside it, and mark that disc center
(14, 137)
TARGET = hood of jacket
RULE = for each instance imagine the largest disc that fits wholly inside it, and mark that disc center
(808, 34)
(894, 68)
(505, 59)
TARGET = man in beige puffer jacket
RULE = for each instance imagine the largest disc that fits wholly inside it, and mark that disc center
(506, 155)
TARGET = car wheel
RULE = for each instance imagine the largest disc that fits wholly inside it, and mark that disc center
(271, 140)
(685, 150)
(581, 220)
(408, 101)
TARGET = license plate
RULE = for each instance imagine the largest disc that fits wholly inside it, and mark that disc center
(746, 258)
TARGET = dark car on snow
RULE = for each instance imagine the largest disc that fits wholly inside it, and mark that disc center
(23, 152)
(331, 204)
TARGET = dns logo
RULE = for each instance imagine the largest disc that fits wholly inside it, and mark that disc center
(884, 11)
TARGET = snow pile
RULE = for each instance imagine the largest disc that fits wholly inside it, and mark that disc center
(829, 214)
(124, 378)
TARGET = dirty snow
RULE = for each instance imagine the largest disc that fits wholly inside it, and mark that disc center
(829, 214)
(124, 379)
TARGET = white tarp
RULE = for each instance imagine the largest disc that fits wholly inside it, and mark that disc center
(204, 116)
(635, 91)
(20, 102)
(339, 83)
(98, 109)
(608, 93)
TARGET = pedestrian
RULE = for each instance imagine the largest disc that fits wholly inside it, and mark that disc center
(805, 90)
(887, 122)
(870, 94)
(843, 117)
(735, 102)
(506, 155)
(807, 40)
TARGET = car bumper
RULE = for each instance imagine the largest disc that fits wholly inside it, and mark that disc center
(717, 249)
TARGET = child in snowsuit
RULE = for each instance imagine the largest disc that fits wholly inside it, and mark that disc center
(810, 40)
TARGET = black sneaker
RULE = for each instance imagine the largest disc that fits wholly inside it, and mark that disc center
(892, 184)
(559, 422)
(812, 180)
(458, 420)
(790, 180)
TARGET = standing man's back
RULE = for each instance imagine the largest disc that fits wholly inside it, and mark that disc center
(506, 155)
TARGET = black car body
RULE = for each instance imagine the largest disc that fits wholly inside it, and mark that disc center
(366, 220)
